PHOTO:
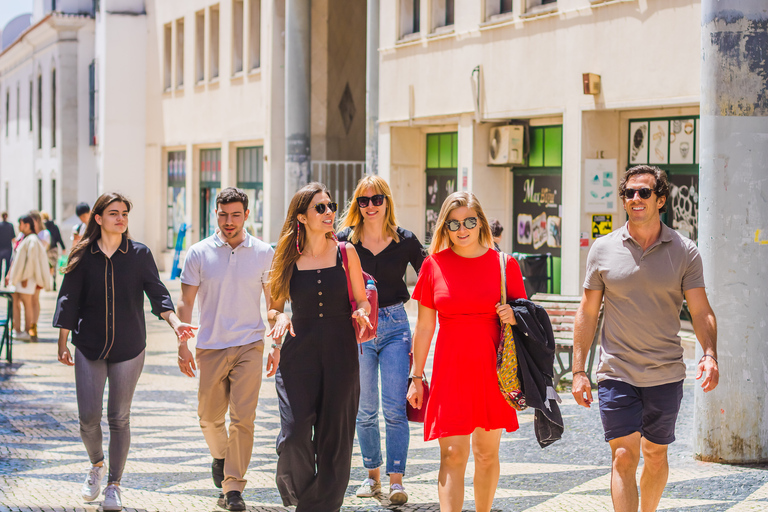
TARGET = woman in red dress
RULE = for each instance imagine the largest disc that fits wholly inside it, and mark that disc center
(460, 283)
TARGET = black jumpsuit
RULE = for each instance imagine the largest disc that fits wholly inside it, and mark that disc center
(318, 388)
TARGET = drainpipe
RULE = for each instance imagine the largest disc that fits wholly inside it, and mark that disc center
(297, 96)
(372, 89)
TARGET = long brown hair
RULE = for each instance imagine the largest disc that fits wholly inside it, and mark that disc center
(353, 218)
(93, 230)
(441, 240)
(286, 254)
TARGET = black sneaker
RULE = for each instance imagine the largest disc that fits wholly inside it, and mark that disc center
(217, 472)
(235, 501)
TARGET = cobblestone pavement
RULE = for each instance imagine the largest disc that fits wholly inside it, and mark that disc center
(43, 462)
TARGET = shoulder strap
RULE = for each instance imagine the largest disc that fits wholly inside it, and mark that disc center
(503, 265)
(345, 263)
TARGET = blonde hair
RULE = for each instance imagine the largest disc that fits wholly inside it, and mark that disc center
(291, 237)
(353, 218)
(440, 238)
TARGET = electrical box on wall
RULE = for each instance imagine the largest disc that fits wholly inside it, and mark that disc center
(506, 145)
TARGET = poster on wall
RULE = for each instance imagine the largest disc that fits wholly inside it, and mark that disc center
(600, 189)
(681, 150)
(638, 142)
(536, 213)
(439, 186)
(684, 204)
(175, 214)
(601, 225)
(659, 140)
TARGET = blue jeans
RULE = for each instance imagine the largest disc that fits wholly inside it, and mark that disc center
(388, 351)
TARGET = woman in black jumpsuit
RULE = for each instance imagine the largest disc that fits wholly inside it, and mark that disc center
(316, 369)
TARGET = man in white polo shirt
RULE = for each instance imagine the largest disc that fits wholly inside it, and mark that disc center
(228, 273)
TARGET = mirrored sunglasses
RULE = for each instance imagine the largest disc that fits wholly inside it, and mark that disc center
(377, 200)
(455, 225)
(644, 192)
(320, 207)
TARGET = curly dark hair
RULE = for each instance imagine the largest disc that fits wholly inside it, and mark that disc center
(232, 195)
(662, 183)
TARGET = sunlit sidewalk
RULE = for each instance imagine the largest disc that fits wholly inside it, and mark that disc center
(43, 463)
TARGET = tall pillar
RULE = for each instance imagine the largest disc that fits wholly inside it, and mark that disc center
(297, 96)
(372, 89)
(731, 422)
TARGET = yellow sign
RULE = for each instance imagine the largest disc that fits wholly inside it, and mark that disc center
(601, 225)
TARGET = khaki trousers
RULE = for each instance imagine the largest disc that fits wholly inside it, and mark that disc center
(230, 378)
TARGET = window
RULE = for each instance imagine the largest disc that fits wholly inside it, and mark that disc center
(167, 56)
(92, 105)
(53, 108)
(250, 178)
(442, 174)
(496, 7)
(200, 46)
(214, 48)
(442, 13)
(177, 196)
(39, 194)
(180, 52)
(7, 110)
(546, 146)
(210, 183)
(31, 96)
(18, 107)
(53, 199)
(410, 17)
(254, 34)
(39, 111)
(237, 36)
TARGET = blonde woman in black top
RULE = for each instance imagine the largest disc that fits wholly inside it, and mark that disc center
(102, 303)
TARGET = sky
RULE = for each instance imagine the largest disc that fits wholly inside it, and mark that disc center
(9, 9)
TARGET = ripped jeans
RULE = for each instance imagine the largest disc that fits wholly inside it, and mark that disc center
(388, 352)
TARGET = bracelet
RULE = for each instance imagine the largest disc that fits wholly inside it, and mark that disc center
(580, 371)
(709, 355)
(278, 346)
(417, 377)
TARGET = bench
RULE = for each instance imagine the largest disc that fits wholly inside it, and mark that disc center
(6, 326)
(562, 313)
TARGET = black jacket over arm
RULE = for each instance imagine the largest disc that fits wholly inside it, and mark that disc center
(535, 347)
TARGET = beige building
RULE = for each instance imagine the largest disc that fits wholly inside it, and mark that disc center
(454, 71)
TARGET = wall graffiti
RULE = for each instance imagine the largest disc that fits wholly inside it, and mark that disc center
(685, 208)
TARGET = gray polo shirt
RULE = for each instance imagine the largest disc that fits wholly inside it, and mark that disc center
(643, 293)
(230, 288)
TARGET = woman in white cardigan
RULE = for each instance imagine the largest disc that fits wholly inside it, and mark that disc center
(29, 271)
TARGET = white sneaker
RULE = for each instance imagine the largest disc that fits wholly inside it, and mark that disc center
(112, 499)
(397, 495)
(21, 336)
(92, 485)
(368, 489)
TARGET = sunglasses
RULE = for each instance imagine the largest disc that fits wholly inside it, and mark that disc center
(455, 225)
(377, 200)
(320, 207)
(644, 192)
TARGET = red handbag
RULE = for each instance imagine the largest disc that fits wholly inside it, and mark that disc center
(368, 333)
(417, 415)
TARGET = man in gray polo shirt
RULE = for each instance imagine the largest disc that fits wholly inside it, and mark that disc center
(227, 272)
(643, 271)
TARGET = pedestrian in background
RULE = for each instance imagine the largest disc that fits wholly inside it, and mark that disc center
(642, 271)
(83, 212)
(44, 236)
(28, 275)
(461, 282)
(385, 250)
(227, 272)
(496, 230)
(316, 368)
(102, 302)
(7, 234)
(55, 242)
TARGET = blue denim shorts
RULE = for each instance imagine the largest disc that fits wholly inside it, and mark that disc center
(652, 411)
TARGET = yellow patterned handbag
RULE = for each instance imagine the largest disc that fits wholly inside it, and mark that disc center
(506, 356)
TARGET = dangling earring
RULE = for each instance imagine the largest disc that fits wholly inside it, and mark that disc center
(298, 230)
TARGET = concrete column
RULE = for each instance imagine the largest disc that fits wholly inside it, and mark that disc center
(571, 206)
(297, 95)
(731, 422)
(372, 89)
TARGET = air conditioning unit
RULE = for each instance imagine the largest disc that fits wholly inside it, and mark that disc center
(506, 146)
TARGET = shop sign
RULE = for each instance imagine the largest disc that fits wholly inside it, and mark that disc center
(537, 205)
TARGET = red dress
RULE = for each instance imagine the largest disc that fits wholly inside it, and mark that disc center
(464, 393)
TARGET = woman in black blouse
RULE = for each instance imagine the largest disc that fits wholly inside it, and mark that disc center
(385, 251)
(102, 302)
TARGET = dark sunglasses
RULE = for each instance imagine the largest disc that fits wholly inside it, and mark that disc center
(320, 207)
(377, 200)
(644, 192)
(455, 225)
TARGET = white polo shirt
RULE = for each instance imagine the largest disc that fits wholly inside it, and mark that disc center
(230, 288)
